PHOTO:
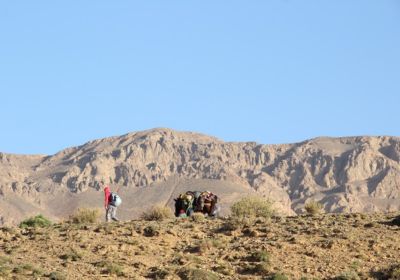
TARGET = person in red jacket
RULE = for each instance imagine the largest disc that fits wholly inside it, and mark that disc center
(111, 210)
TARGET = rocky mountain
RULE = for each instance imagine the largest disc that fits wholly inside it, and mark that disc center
(352, 174)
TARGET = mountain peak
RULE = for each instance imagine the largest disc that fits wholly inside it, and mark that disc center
(349, 174)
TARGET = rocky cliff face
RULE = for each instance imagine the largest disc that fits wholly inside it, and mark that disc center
(344, 174)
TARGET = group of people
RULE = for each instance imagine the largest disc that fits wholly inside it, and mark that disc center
(185, 205)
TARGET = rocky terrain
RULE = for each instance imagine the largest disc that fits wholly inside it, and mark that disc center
(354, 174)
(330, 246)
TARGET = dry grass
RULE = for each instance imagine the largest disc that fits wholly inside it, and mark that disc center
(85, 216)
(248, 209)
(313, 207)
(158, 213)
(198, 217)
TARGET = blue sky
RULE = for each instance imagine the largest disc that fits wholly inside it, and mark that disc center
(266, 71)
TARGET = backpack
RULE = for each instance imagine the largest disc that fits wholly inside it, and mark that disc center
(115, 200)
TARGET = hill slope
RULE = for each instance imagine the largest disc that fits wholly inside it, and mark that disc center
(354, 246)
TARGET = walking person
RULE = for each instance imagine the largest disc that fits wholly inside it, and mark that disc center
(111, 202)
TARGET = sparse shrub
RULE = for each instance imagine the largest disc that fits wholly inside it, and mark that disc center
(279, 276)
(190, 273)
(114, 269)
(55, 275)
(158, 273)
(158, 213)
(250, 232)
(229, 225)
(85, 216)
(396, 221)
(348, 275)
(4, 260)
(8, 248)
(394, 272)
(197, 217)
(355, 265)
(179, 259)
(10, 230)
(111, 268)
(390, 273)
(195, 260)
(225, 269)
(27, 268)
(260, 256)
(262, 268)
(37, 221)
(5, 268)
(151, 230)
(73, 255)
(132, 242)
(370, 225)
(207, 244)
(313, 207)
(248, 209)
(109, 228)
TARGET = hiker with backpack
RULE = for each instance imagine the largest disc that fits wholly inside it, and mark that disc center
(111, 202)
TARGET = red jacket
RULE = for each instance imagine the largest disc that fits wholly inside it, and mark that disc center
(106, 196)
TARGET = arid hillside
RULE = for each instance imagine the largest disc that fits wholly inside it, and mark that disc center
(354, 174)
(330, 246)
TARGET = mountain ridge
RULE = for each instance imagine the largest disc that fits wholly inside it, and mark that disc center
(346, 174)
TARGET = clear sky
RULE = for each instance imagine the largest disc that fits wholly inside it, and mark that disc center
(267, 71)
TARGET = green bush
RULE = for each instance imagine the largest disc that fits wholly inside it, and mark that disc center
(85, 216)
(158, 213)
(37, 221)
(313, 207)
(248, 209)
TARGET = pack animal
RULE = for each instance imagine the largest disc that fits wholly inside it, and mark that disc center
(196, 201)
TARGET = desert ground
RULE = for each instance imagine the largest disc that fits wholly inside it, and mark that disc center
(323, 246)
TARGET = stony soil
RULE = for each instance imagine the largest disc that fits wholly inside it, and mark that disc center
(353, 246)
